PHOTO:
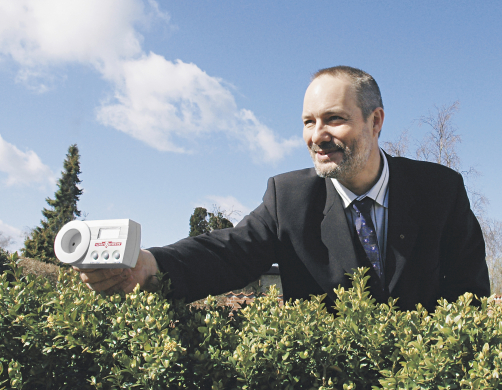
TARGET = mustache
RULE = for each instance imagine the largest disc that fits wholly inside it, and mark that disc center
(330, 146)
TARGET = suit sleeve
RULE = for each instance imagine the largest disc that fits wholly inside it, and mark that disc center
(465, 269)
(223, 260)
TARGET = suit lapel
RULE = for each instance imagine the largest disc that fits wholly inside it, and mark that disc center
(402, 223)
(332, 254)
(335, 232)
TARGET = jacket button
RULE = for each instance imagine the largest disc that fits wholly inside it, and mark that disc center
(401, 236)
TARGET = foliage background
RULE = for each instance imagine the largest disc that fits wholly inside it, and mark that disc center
(68, 336)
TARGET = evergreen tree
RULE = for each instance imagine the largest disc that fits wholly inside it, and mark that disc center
(63, 209)
(198, 222)
(203, 222)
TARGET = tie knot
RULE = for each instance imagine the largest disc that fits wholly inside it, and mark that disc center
(363, 206)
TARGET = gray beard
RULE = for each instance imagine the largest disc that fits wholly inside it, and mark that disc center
(353, 161)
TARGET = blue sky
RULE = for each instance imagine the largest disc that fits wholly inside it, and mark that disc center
(175, 105)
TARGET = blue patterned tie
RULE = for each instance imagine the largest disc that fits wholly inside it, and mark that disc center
(367, 235)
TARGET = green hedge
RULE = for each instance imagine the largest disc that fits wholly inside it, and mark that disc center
(69, 337)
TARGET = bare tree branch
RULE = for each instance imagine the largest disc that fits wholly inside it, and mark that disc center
(492, 232)
(439, 145)
(400, 147)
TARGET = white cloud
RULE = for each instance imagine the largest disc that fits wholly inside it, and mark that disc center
(23, 168)
(263, 142)
(164, 103)
(157, 12)
(49, 32)
(160, 102)
(15, 234)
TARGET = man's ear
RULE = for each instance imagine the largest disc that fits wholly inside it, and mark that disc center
(378, 117)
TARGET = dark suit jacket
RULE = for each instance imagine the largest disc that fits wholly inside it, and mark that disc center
(435, 247)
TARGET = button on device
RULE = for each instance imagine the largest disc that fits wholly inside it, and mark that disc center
(116, 255)
(105, 255)
(94, 255)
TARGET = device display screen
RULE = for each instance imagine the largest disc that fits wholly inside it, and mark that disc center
(105, 233)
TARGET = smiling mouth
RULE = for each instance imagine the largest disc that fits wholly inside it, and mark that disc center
(327, 152)
(326, 156)
(326, 148)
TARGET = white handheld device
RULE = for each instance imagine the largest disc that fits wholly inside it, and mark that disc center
(112, 243)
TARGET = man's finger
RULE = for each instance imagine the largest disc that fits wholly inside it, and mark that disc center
(110, 283)
(102, 274)
(84, 269)
(126, 286)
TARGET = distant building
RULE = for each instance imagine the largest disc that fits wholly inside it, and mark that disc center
(269, 278)
(247, 295)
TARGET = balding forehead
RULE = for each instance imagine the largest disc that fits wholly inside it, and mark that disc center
(329, 94)
(335, 83)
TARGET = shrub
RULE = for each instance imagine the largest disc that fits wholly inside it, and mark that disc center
(4, 259)
(67, 336)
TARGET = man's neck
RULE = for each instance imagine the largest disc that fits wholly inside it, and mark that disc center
(365, 180)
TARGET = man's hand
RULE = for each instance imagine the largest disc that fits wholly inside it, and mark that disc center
(111, 280)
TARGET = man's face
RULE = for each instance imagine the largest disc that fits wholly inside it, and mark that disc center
(339, 140)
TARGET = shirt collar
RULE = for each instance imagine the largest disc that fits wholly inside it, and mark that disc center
(379, 192)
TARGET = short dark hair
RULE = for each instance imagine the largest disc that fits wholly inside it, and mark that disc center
(367, 91)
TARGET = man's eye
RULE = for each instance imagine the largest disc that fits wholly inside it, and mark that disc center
(308, 122)
(335, 118)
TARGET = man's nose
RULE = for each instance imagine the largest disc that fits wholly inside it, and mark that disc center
(321, 134)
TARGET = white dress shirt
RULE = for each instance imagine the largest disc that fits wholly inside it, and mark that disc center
(379, 211)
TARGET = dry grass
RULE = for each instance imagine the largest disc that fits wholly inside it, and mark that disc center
(39, 268)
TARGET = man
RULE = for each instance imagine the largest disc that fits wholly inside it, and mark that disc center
(409, 222)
